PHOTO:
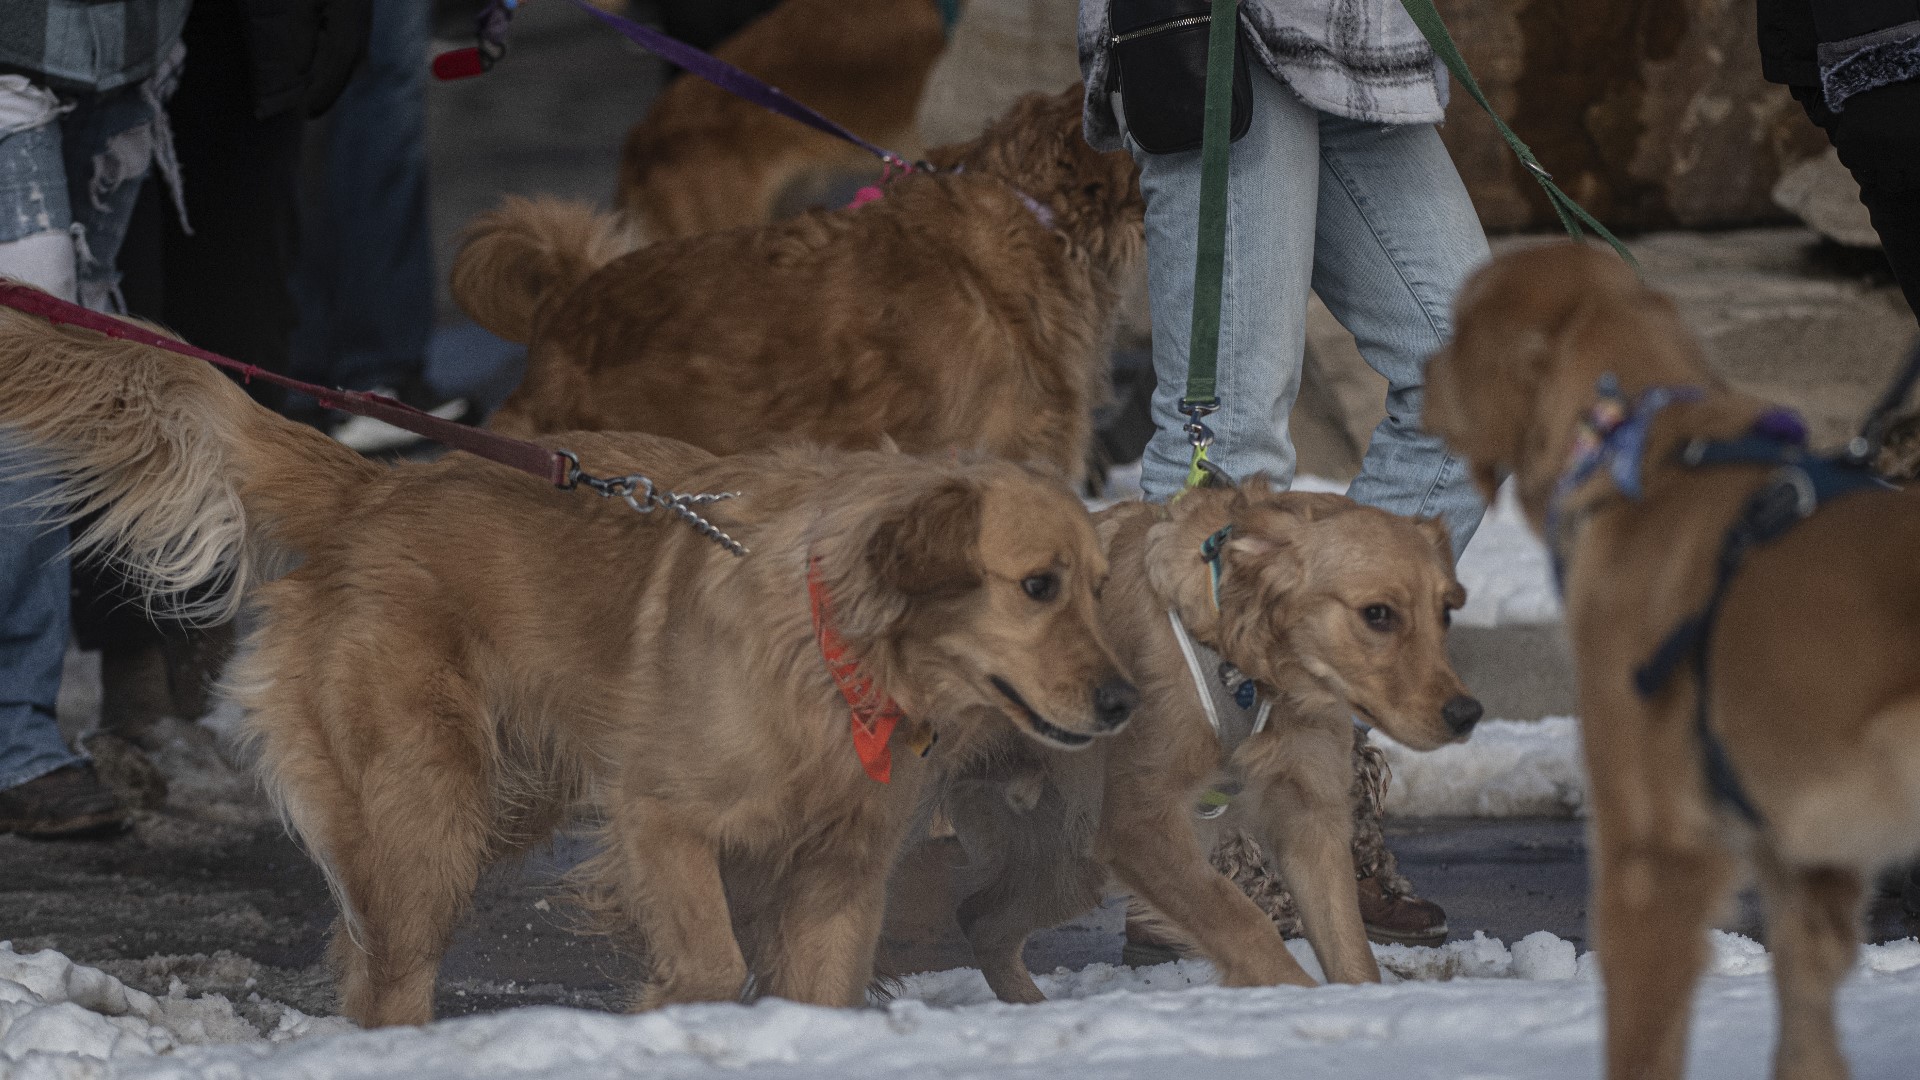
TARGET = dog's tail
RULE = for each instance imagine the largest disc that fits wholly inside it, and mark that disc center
(513, 259)
(197, 490)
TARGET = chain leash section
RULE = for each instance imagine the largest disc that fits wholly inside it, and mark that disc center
(638, 492)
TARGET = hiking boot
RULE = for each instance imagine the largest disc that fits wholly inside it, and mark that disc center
(1400, 918)
(69, 802)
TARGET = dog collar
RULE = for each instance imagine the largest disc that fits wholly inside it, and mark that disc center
(872, 714)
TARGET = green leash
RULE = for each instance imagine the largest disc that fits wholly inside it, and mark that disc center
(1203, 343)
(1572, 214)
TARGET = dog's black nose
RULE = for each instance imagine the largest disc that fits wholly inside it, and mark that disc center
(1461, 713)
(1114, 702)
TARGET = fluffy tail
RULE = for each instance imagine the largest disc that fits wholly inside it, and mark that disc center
(194, 484)
(512, 260)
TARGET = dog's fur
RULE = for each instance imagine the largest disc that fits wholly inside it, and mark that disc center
(945, 315)
(1299, 572)
(705, 160)
(1816, 685)
(463, 653)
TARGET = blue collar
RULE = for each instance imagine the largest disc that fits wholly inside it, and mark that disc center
(1211, 550)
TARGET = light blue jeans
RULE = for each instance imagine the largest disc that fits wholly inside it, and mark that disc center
(1375, 219)
(69, 173)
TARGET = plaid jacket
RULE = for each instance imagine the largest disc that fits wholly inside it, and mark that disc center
(88, 45)
(1361, 59)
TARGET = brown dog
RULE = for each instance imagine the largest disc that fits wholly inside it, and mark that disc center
(1815, 689)
(705, 160)
(1333, 610)
(963, 310)
(464, 654)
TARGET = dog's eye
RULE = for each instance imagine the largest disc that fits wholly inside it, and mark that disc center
(1378, 616)
(1042, 587)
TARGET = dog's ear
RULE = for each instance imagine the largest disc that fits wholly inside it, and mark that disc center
(933, 547)
(1437, 534)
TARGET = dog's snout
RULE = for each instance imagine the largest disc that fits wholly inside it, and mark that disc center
(1114, 702)
(1461, 713)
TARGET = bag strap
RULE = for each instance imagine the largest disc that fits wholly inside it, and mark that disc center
(1203, 342)
(1572, 215)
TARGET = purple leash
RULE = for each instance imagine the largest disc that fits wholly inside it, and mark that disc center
(734, 81)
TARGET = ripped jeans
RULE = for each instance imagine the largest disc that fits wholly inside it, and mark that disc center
(70, 170)
(69, 173)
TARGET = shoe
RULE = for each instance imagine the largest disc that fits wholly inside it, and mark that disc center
(69, 802)
(1395, 918)
(365, 435)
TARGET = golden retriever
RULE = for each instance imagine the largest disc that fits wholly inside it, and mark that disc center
(1815, 686)
(462, 654)
(1334, 610)
(966, 309)
(705, 160)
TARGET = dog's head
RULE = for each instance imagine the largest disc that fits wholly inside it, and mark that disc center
(1533, 332)
(974, 593)
(1330, 605)
(1038, 148)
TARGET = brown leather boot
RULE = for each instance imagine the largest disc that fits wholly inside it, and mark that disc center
(67, 803)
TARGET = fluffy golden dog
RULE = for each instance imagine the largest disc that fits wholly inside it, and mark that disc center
(705, 160)
(463, 654)
(1334, 610)
(1815, 686)
(966, 309)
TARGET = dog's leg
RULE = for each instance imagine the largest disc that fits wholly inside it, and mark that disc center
(1813, 924)
(1652, 907)
(822, 948)
(1307, 827)
(1159, 857)
(666, 872)
(400, 823)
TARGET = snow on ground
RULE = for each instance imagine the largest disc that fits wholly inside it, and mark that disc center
(1508, 768)
(1467, 1009)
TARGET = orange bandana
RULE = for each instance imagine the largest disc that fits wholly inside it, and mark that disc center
(874, 715)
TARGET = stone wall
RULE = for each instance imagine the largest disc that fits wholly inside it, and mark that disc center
(1652, 113)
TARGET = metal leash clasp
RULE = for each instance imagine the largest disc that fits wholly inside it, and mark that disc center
(1199, 435)
(638, 491)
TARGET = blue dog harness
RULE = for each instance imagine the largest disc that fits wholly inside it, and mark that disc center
(1614, 437)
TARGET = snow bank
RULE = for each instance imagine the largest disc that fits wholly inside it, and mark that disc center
(59, 1019)
(1508, 768)
(1471, 1008)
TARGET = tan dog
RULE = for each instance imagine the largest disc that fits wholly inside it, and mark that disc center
(1815, 689)
(1334, 610)
(463, 654)
(705, 160)
(949, 314)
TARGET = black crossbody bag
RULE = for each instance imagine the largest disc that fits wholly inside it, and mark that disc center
(1160, 52)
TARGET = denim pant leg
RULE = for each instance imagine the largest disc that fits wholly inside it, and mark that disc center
(33, 631)
(1271, 205)
(108, 143)
(1397, 237)
(365, 282)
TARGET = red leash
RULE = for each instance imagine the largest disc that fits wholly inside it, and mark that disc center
(561, 468)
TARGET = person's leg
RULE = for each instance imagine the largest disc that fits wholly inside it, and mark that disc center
(1878, 137)
(370, 279)
(109, 146)
(225, 284)
(1270, 221)
(1397, 236)
(36, 246)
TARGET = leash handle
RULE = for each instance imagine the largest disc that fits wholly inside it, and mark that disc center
(1571, 214)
